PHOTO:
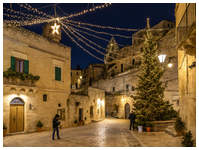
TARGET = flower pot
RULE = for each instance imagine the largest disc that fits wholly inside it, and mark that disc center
(74, 125)
(39, 129)
(179, 133)
(140, 128)
(4, 132)
(80, 123)
(148, 129)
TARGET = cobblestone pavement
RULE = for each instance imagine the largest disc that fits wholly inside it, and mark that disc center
(106, 133)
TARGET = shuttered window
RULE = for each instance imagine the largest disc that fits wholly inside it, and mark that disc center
(19, 65)
(57, 73)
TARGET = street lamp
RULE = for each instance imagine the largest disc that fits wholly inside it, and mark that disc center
(162, 58)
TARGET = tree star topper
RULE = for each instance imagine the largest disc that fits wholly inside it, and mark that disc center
(55, 28)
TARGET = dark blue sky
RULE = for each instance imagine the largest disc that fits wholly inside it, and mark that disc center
(127, 15)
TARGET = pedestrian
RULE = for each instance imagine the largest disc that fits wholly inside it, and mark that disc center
(55, 126)
(132, 117)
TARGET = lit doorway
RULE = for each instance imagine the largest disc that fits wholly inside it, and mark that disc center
(16, 115)
(127, 110)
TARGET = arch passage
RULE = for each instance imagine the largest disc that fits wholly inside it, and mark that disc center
(127, 110)
(16, 115)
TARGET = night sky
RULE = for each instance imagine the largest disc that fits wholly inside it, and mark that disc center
(127, 15)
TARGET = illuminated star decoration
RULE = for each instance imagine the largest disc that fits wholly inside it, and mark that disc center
(55, 28)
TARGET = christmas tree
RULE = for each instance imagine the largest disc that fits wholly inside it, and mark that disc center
(150, 92)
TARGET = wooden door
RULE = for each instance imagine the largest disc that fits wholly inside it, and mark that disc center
(20, 118)
(13, 122)
(127, 110)
(16, 118)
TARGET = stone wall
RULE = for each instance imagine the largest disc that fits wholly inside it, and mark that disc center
(43, 56)
(95, 98)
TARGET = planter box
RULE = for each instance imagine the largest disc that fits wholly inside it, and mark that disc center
(162, 125)
(74, 125)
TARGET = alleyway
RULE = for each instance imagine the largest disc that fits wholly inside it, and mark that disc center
(107, 133)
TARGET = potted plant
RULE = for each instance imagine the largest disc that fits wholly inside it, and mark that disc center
(39, 126)
(179, 126)
(187, 140)
(148, 126)
(4, 130)
(75, 123)
(140, 126)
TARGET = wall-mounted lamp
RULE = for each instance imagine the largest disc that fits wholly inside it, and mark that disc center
(18, 94)
(193, 65)
(170, 64)
(80, 77)
(31, 106)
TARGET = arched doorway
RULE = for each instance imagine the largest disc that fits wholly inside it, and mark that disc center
(91, 111)
(127, 110)
(16, 115)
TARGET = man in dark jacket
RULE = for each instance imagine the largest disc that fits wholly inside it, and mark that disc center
(132, 119)
(55, 126)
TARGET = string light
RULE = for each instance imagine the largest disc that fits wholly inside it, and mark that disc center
(30, 8)
(81, 46)
(90, 45)
(94, 36)
(24, 14)
(85, 11)
(99, 32)
(92, 41)
(114, 28)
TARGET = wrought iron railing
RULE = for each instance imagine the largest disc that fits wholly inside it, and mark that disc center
(187, 19)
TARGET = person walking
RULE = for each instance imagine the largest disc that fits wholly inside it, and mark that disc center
(132, 118)
(55, 126)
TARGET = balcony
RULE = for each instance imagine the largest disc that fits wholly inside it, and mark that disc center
(186, 30)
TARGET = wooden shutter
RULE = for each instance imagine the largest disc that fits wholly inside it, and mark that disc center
(13, 63)
(26, 66)
(57, 73)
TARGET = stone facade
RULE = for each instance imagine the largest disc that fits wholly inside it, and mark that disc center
(122, 76)
(49, 95)
(76, 77)
(185, 14)
(43, 55)
(93, 105)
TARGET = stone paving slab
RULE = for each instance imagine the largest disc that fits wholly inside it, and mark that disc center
(106, 133)
(157, 139)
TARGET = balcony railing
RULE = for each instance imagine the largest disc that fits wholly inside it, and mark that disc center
(187, 19)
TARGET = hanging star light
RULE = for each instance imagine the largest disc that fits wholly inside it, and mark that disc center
(55, 28)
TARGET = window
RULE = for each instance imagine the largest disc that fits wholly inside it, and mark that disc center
(59, 112)
(57, 73)
(77, 73)
(20, 65)
(168, 25)
(84, 71)
(97, 111)
(44, 97)
(133, 62)
(127, 87)
(71, 74)
(113, 89)
(121, 67)
(132, 88)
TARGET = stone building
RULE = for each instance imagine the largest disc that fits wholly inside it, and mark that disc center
(122, 76)
(92, 73)
(76, 77)
(185, 14)
(24, 102)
